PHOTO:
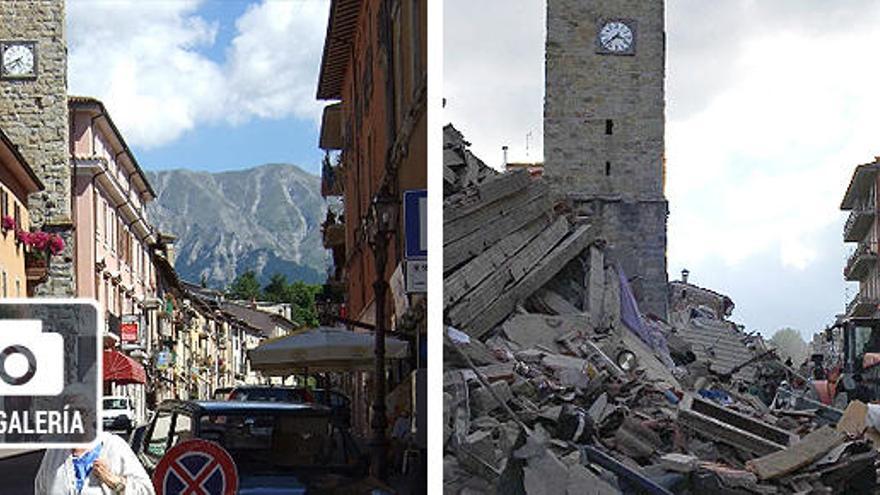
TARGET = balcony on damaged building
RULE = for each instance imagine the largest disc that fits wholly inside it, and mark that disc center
(861, 228)
(860, 219)
(860, 261)
(862, 306)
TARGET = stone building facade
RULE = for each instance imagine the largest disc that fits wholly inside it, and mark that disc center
(604, 129)
(33, 113)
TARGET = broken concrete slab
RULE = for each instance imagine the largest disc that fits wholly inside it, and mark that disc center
(458, 283)
(514, 269)
(482, 400)
(582, 481)
(539, 275)
(482, 296)
(632, 476)
(853, 421)
(545, 475)
(475, 350)
(636, 440)
(597, 409)
(531, 330)
(647, 360)
(731, 427)
(471, 245)
(732, 478)
(610, 300)
(478, 454)
(812, 447)
(484, 194)
(495, 372)
(551, 302)
(679, 463)
(479, 219)
(596, 283)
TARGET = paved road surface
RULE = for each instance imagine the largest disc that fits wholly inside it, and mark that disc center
(17, 473)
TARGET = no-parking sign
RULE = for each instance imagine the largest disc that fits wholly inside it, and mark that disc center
(196, 467)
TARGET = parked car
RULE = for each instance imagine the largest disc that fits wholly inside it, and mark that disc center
(339, 403)
(279, 448)
(222, 393)
(271, 393)
(118, 414)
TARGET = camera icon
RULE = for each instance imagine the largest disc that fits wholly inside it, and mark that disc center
(31, 361)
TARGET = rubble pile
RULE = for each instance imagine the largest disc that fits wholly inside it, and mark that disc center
(555, 383)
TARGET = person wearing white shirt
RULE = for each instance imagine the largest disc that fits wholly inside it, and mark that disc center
(107, 467)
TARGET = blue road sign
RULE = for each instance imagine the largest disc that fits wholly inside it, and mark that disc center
(415, 223)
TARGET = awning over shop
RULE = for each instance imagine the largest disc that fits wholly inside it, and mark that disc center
(322, 349)
(120, 368)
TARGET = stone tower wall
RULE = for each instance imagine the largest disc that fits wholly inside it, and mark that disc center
(604, 132)
(34, 114)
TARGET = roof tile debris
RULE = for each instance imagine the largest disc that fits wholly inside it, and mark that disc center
(554, 382)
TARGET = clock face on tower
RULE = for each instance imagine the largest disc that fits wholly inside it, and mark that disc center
(616, 37)
(18, 59)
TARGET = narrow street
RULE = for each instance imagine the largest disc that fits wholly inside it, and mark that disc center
(222, 329)
(19, 471)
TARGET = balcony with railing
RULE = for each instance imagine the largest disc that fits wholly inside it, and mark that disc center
(333, 177)
(860, 261)
(862, 305)
(333, 230)
(858, 224)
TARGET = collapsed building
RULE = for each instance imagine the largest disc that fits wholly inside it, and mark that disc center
(556, 382)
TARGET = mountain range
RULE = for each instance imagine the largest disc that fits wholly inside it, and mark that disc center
(266, 219)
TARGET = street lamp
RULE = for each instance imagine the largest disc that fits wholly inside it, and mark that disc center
(382, 226)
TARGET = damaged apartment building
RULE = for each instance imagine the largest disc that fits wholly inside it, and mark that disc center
(571, 363)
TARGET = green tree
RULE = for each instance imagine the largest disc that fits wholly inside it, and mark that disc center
(245, 286)
(277, 290)
(300, 295)
(302, 300)
(789, 344)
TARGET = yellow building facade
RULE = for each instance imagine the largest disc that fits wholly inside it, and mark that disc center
(17, 182)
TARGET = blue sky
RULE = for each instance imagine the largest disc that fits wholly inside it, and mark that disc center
(770, 106)
(208, 85)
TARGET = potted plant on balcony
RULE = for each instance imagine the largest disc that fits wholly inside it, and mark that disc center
(39, 247)
(7, 224)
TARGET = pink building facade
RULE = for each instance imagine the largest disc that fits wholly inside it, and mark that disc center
(113, 239)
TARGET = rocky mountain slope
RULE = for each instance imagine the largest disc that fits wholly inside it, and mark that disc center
(265, 218)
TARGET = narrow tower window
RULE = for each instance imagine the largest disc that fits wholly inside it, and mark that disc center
(609, 127)
(608, 168)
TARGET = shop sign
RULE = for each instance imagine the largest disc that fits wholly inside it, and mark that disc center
(129, 329)
(163, 360)
(416, 276)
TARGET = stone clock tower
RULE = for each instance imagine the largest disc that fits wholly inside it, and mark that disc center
(604, 125)
(34, 114)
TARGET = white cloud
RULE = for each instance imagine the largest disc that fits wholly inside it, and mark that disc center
(147, 62)
(493, 76)
(274, 62)
(766, 161)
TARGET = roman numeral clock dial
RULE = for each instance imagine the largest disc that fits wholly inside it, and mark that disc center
(18, 59)
(616, 37)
